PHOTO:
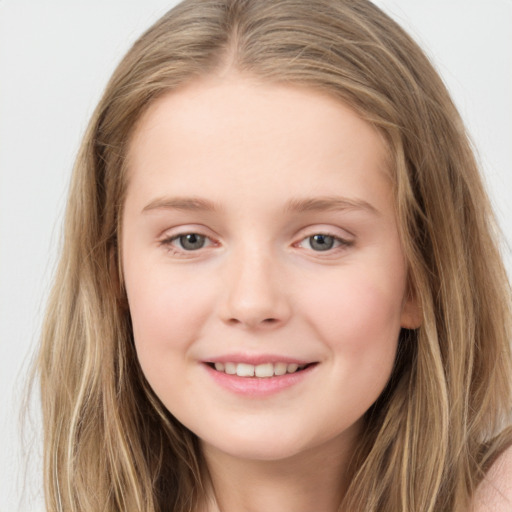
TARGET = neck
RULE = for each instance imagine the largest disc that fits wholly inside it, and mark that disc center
(313, 480)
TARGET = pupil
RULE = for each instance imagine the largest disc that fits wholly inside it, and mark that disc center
(192, 241)
(321, 242)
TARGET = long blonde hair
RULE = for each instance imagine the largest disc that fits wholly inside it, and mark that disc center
(110, 445)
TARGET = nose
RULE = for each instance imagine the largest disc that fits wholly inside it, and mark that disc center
(255, 293)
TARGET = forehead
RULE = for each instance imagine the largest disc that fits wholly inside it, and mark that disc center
(254, 136)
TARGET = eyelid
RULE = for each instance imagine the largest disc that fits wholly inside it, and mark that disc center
(326, 229)
(186, 229)
(169, 236)
(181, 235)
(342, 242)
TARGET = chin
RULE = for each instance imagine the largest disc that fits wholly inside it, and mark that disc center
(265, 446)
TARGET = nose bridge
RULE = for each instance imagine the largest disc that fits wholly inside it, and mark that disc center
(254, 295)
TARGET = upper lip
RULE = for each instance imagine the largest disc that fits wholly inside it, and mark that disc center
(257, 359)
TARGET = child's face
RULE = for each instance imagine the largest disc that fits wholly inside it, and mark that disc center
(259, 228)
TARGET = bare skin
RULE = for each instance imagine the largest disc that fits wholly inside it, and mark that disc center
(494, 494)
(310, 481)
(259, 229)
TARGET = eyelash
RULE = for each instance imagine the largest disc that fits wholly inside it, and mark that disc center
(340, 243)
(168, 244)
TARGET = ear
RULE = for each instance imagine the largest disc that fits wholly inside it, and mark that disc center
(412, 315)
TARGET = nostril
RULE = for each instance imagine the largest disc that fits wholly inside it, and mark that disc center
(253, 322)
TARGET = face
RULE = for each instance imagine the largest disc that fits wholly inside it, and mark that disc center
(262, 264)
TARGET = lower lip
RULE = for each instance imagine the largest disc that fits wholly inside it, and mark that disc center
(259, 386)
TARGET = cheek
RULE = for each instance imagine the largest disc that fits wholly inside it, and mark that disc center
(167, 311)
(356, 316)
(361, 317)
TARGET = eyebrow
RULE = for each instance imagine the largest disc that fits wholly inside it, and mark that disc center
(329, 203)
(297, 205)
(181, 203)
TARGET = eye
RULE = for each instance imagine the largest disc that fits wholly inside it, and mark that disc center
(322, 242)
(191, 241)
(187, 242)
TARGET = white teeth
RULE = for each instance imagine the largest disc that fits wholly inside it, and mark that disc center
(264, 370)
(292, 368)
(245, 370)
(230, 368)
(280, 368)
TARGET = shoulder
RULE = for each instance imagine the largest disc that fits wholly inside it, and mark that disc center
(494, 494)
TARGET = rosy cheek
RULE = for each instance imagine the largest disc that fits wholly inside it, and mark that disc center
(166, 310)
(360, 313)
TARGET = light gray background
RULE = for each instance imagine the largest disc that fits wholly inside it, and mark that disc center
(55, 58)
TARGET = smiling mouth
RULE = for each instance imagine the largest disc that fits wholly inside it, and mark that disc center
(262, 371)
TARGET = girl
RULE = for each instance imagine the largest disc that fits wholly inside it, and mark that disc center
(280, 287)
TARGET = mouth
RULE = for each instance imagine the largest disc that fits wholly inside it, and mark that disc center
(259, 371)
